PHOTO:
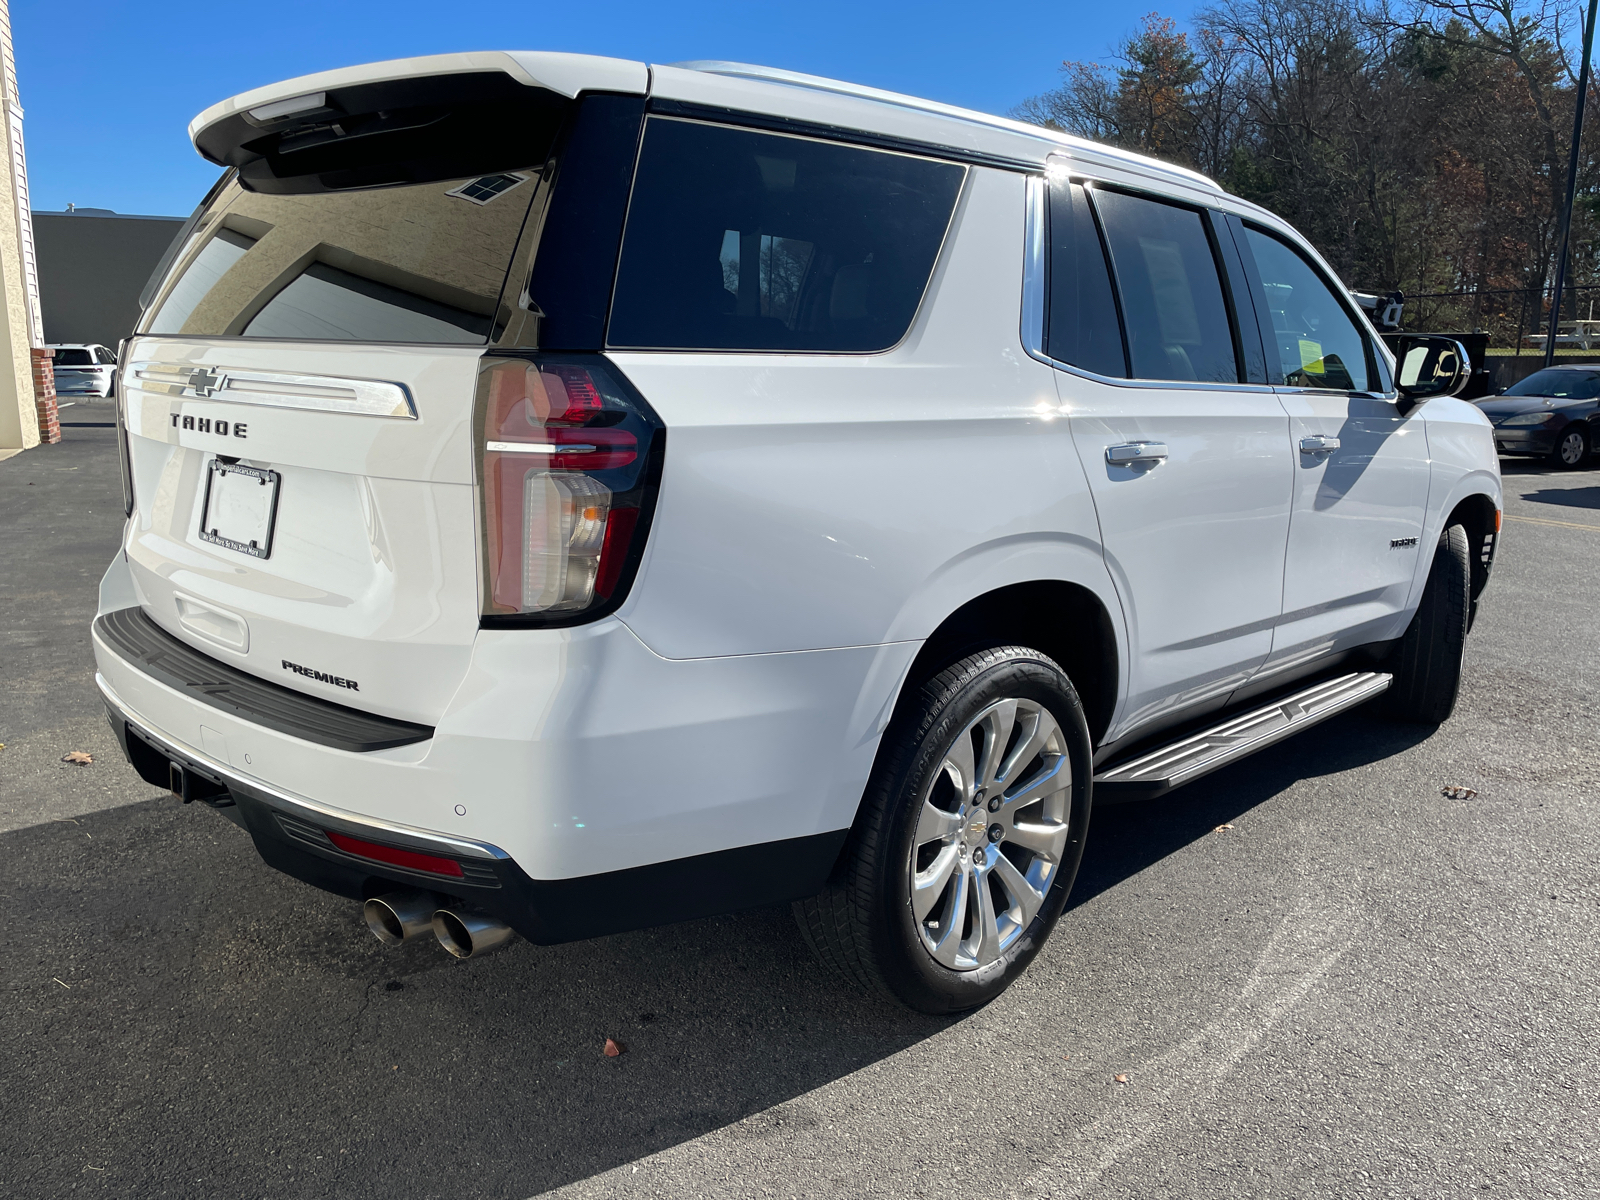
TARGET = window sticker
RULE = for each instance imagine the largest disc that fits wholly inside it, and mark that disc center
(1311, 357)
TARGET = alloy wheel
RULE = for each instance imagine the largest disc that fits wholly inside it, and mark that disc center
(991, 834)
(1571, 448)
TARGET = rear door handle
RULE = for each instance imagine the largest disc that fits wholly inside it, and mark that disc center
(1136, 452)
(1318, 443)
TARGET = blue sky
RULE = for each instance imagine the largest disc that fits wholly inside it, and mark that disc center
(108, 88)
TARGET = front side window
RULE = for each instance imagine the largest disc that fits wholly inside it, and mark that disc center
(1315, 341)
(1172, 299)
(739, 240)
(418, 263)
(104, 356)
(1081, 325)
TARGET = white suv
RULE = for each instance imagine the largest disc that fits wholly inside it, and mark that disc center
(568, 495)
(83, 369)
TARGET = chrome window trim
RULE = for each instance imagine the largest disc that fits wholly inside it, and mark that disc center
(271, 389)
(425, 840)
(1362, 393)
(1035, 280)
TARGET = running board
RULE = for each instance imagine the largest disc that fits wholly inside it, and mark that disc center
(1170, 766)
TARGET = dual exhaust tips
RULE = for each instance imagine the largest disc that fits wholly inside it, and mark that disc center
(401, 916)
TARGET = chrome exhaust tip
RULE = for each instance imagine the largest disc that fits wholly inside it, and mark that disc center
(400, 916)
(469, 934)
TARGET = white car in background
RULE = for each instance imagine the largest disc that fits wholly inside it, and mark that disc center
(84, 370)
(568, 495)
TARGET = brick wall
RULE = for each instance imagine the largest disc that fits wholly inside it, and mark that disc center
(44, 396)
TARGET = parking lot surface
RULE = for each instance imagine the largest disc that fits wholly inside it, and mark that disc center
(1308, 974)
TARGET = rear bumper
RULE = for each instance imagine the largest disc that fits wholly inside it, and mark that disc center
(291, 834)
(81, 385)
(577, 763)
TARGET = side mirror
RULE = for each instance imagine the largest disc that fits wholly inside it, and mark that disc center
(1431, 367)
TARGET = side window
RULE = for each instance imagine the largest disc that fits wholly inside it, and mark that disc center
(738, 240)
(1172, 299)
(1081, 324)
(1314, 342)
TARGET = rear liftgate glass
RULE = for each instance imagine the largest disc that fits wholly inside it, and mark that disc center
(569, 465)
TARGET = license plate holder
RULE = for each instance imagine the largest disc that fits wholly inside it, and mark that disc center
(240, 509)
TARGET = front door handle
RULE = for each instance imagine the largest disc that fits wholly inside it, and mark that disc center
(1129, 453)
(1318, 443)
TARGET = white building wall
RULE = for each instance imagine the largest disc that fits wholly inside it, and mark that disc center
(21, 322)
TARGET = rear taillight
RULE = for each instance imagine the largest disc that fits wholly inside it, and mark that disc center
(569, 460)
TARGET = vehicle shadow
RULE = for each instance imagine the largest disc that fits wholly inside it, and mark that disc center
(182, 1008)
(1126, 838)
(1585, 497)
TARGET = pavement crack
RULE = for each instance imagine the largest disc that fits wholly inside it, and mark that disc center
(355, 1021)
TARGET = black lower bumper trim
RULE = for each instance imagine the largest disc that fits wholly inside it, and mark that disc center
(545, 911)
(132, 635)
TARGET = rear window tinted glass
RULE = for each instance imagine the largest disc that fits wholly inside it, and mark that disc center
(73, 358)
(738, 240)
(1314, 341)
(1172, 299)
(422, 263)
(1081, 327)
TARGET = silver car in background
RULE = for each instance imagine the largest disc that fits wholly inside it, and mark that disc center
(84, 370)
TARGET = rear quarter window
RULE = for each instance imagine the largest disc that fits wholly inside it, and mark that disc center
(739, 240)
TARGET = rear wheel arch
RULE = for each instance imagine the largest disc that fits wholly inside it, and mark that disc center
(1064, 621)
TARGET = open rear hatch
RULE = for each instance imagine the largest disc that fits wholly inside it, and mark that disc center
(299, 399)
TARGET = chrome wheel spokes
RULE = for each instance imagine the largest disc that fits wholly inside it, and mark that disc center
(991, 833)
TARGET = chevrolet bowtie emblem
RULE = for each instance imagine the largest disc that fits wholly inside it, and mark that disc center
(206, 382)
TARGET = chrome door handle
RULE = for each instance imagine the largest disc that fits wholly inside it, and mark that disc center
(1318, 443)
(1136, 452)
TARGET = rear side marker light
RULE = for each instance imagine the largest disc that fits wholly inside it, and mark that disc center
(568, 466)
(396, 857)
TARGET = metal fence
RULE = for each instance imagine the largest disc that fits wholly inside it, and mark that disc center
(1517, 320)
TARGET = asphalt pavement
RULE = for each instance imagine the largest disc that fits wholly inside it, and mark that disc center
(1311, 974)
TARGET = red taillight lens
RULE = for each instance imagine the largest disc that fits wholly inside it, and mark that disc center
(395, 856)
(566, 471)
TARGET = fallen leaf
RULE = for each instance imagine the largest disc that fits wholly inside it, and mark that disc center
(1122, 1079)
(1220, 828)
(79, 757)
(1456, 792)
(613, 1048)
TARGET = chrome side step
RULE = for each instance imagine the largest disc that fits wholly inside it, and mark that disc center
(1201, 753)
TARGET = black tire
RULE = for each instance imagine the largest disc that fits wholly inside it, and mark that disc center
(1427, 662)
(1571, 449)
(862, 925)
